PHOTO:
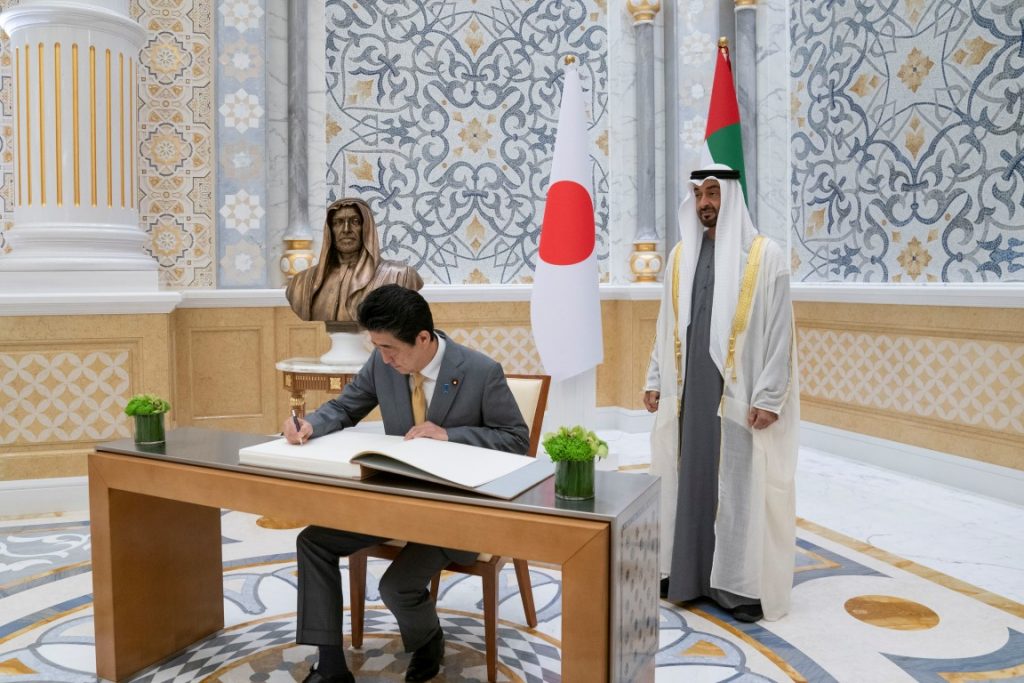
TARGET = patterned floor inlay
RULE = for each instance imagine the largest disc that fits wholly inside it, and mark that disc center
(857, 615)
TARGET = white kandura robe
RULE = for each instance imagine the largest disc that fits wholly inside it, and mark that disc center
(755, 524)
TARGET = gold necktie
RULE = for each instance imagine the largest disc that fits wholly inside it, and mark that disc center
(419, 399)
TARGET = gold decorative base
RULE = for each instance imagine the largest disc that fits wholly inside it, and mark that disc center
(646, 263)
(297, 257)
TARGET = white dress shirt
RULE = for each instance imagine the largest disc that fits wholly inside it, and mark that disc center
(431, 371)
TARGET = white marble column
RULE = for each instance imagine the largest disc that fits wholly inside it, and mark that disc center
(746, 93)
(646, 261)
(76, 223)
(298, 240)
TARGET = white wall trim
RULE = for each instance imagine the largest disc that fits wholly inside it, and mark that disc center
(982, 295)
(442, 294)
(969, 294)
(232, 298)
(624, 419)
(91, 303)
(1003, 483)
(40, 496)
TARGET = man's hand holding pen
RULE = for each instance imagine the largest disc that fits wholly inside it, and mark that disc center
(296, 430)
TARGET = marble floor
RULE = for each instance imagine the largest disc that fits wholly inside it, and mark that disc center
(897, 580)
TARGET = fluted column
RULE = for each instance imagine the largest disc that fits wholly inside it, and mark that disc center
(298, 241)
(746, 93)
(76, 223)
(646, 261)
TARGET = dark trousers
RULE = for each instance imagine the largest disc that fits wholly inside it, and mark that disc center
(404, 587)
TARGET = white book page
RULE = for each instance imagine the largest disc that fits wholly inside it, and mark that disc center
(330, 454)
(470, 466)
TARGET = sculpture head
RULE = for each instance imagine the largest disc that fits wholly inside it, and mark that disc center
(350, 266)
(350, 233)
(347, 232)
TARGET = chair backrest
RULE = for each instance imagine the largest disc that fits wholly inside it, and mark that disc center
(531, 394)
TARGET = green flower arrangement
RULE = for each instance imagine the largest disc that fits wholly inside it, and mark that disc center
(574, 443)
(146, 404)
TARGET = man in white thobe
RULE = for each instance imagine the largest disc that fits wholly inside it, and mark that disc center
(723, 382)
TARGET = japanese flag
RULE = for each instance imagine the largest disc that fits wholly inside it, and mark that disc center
(565, 306)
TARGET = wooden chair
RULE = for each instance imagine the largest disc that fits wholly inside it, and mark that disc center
(531, 394)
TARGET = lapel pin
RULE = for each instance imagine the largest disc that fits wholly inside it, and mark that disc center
(455, 382)
(445, 389)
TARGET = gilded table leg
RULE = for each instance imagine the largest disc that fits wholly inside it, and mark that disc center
(297, 400)
(585, 612)
(157, 576)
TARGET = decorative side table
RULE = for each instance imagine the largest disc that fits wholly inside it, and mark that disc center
(303, 374)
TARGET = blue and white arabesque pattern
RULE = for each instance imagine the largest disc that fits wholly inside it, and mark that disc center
(443, 117)
(907, 122)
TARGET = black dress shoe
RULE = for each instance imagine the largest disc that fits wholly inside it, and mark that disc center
(315, 676)
(426, 661)
(748, 613)
(663, 591)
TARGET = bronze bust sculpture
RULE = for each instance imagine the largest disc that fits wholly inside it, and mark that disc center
(350, 267)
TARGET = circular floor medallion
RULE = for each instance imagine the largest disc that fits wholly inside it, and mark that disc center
(887, 611)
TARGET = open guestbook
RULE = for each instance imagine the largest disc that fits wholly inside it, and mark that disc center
(357, 455)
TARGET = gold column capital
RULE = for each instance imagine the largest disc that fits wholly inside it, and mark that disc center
(643, 11)
(746, 3)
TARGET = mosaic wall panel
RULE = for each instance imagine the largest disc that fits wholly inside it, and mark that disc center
(906, 141)
(969, 382)
(511, 346)
(6, 137)
(442, 115)
(62, 396)
(176, 176)
(241, 143)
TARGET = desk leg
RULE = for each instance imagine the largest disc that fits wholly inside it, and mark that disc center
(586, 612)
(157, 577)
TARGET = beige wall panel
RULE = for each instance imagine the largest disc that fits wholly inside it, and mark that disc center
(500, 329)
(70, 462)
(946, 378)
(225, 373)
(225, 368)
(629, 328)
(64, 381)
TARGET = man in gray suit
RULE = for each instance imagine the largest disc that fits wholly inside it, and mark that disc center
(427, 386)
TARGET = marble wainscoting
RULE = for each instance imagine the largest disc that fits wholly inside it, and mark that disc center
(64, 381)
(943, 378)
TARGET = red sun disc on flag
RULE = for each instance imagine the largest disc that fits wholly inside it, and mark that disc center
(567, 236)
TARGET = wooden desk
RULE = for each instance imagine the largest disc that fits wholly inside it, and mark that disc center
(156, 555)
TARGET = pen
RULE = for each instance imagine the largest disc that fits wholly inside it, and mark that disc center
(298, 427)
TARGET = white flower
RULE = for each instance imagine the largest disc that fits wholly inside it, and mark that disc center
(698, 48)
(694, 95)
(693, 132)
(241, 111)
(241, 14)
(245, 263)
(242, 211)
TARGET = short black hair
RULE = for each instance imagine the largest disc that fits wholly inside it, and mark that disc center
(398, 310)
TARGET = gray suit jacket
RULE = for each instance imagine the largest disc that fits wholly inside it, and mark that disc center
(471, 401)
